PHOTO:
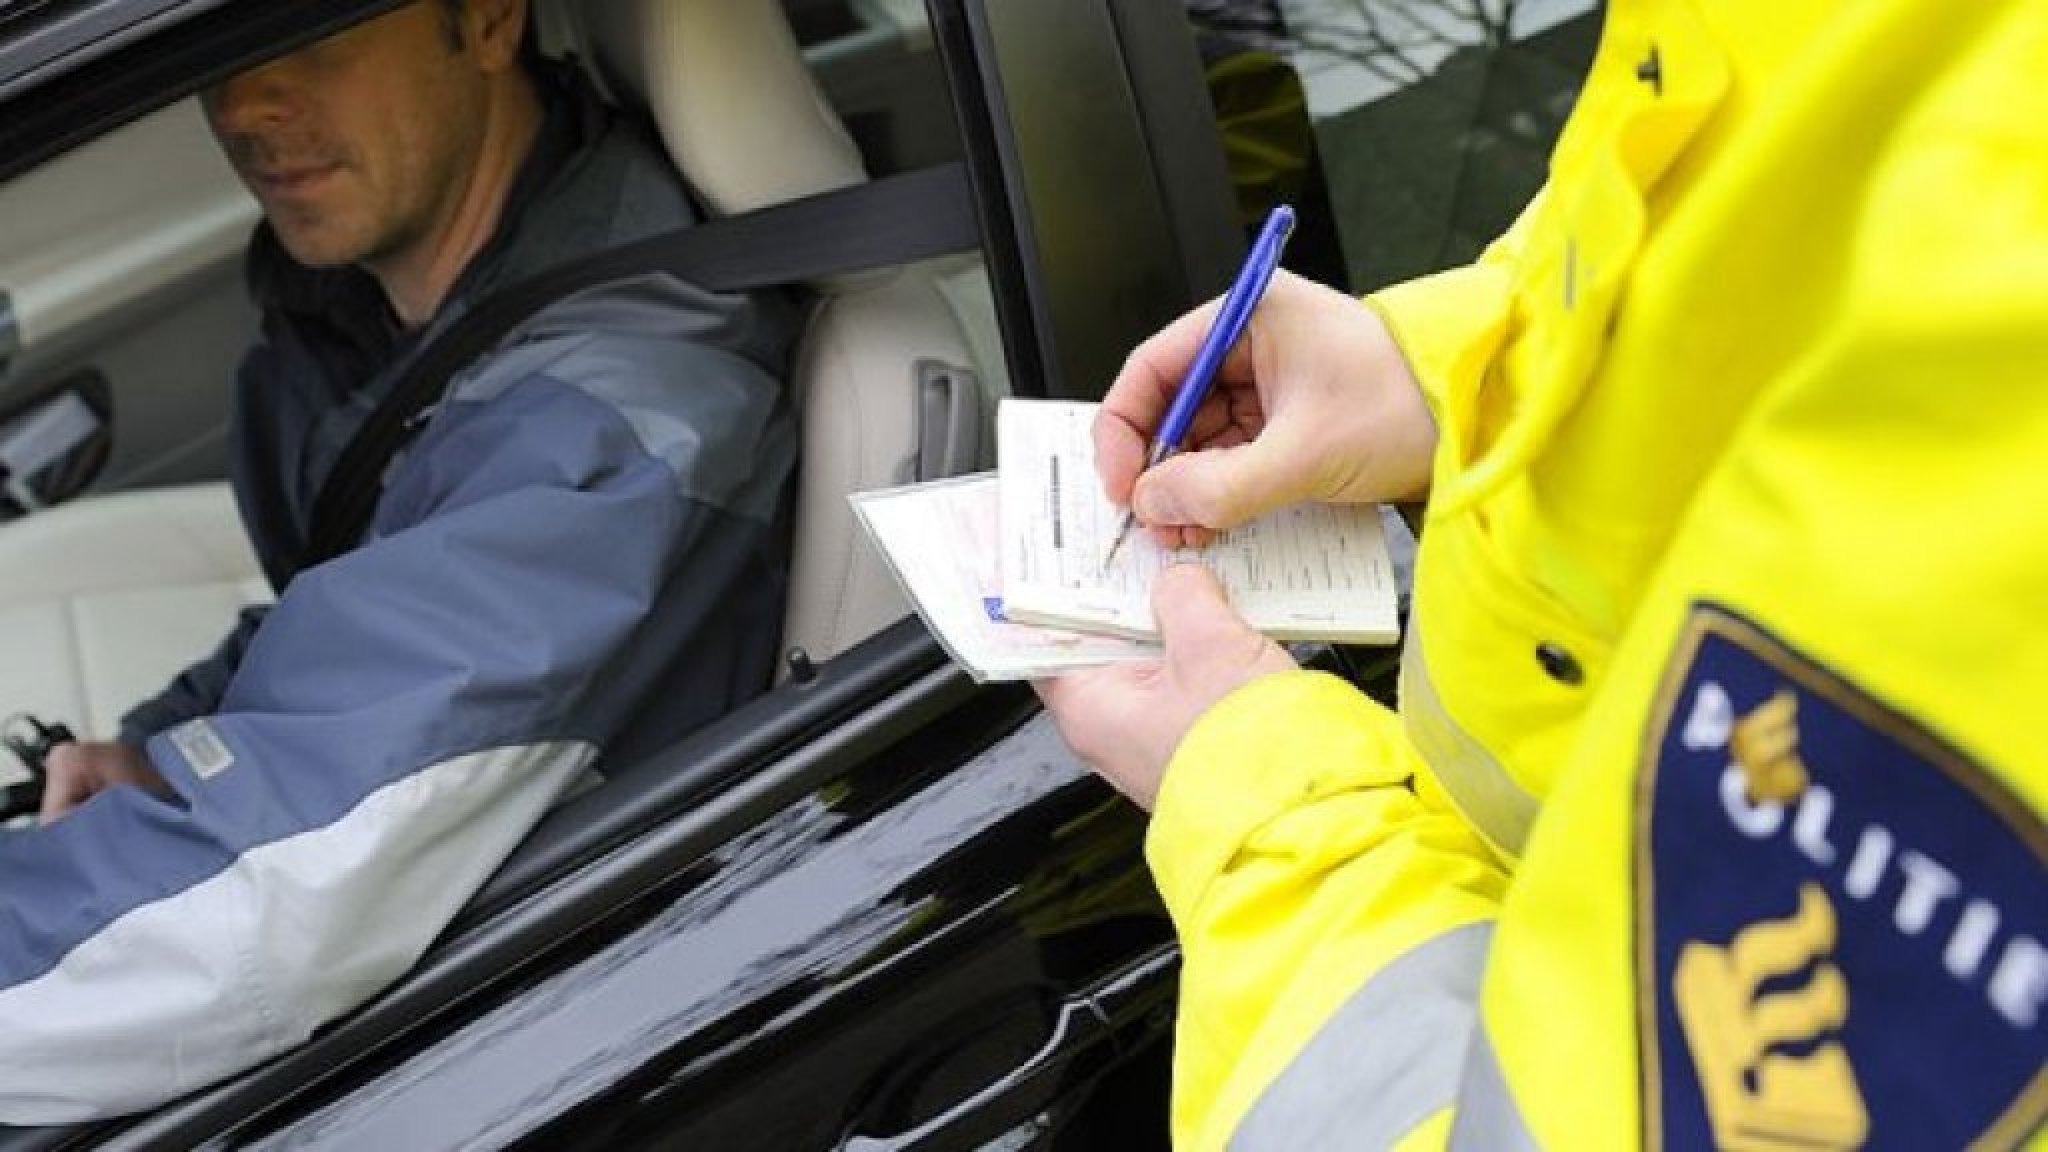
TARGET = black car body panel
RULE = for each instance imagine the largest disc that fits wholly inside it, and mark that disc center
(771, 966)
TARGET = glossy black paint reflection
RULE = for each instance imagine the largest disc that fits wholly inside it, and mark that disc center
(848, 970)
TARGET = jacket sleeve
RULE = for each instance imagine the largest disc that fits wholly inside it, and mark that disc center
(1450, 325)
(1313, 869)
(1313, 866)
(404, 715)
(197, 690)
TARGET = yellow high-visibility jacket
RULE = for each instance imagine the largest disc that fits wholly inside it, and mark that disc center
(1713, 812)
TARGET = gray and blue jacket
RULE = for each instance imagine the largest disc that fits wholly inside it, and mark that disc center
(579, 557)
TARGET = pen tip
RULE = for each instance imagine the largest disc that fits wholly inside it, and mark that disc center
(1117, 543)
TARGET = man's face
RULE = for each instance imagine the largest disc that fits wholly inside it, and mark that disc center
(358, 147)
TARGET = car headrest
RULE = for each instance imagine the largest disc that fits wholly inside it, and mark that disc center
(741, 115)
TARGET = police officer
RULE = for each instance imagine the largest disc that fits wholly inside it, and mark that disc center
(1713, 811)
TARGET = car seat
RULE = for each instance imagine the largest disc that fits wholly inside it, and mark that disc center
(104, 599)
(894, 368)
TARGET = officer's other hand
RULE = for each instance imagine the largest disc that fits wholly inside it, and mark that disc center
(78, 772)
(1126, 720)
(1316, 402)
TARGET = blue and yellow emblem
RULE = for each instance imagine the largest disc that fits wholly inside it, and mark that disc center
(1842, 923)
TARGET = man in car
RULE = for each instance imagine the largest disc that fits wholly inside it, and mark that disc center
(579, 555)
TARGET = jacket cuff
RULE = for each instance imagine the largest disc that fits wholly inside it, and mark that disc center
(1448, 326)
(1277, 743)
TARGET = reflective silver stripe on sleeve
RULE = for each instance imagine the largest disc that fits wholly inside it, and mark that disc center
(1487, 1119)
(1384, 1062)
(1478, 783)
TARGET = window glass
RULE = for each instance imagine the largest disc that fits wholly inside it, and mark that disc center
(1408, 133)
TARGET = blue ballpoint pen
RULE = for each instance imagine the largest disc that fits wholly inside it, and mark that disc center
(1224, 331)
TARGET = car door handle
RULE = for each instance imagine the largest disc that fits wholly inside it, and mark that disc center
(1078, 1033)
(1086, 1035)
(52, 450)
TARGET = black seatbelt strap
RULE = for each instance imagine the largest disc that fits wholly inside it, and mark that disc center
(876, 224)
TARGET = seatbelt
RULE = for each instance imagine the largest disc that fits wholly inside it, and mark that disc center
(876, 224)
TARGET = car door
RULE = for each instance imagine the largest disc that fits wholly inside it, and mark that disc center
(922, 926)
(121, 288)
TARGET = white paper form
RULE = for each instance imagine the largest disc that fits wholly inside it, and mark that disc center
(1307, 572)
(940, 539)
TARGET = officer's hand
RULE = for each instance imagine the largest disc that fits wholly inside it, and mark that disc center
(78, 772)
(1315, 402)
(1126, 720)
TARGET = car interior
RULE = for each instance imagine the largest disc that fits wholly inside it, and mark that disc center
(106, 596)
(134, 283)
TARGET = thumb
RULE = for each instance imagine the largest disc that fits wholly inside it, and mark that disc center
(1194, 612)
(1210, 650)
(1217, 488)
(66, 782)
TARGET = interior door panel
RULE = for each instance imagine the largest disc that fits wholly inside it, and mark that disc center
(123, 258)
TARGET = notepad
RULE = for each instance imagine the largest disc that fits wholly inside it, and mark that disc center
(1308, 572)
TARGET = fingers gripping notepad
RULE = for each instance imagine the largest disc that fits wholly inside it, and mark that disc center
(1307, 572)
(1007, 569)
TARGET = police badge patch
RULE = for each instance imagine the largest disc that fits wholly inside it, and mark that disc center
(1841, 923)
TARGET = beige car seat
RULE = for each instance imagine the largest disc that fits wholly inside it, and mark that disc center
(895, 368)
(104, 599)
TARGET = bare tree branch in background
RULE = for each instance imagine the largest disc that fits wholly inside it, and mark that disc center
(1401, 41)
